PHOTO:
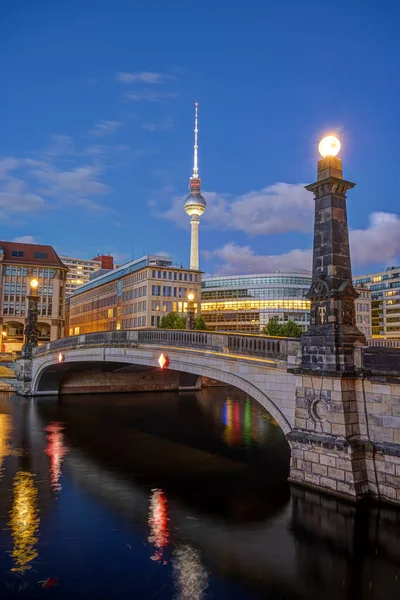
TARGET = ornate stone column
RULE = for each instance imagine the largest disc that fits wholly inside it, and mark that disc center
(328, 450)
(31, 331)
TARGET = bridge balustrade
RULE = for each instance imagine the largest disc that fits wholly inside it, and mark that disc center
(253, 345)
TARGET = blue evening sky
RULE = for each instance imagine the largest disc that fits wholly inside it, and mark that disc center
(96, 125)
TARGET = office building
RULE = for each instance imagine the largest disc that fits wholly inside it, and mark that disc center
(19, 263)
(248, 302)
(80, 270)
(134, 296)
(385, 301)
(363, 310)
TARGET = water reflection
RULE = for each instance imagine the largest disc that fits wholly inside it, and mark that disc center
(5, 434)
(158, 523)
(190, 575)
(24, 520)
(216, 515)
(56, 450)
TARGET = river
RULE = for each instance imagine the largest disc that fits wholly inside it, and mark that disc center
(173, 496)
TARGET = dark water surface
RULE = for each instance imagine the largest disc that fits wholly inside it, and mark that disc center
(174, 496)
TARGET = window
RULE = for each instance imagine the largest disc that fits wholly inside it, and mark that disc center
(169, 275)
(167, 290)
(159, 274)
(17, 253)
(359, 319)
(164, 274)
(40, 255)
(76, 330)
(175, 274)
(156, 290)
(185, 277)
(366, 308)
(110, 313)
(180, 276)
(153, 274)
(190, 277)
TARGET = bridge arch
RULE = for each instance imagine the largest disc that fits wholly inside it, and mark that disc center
(47, 373)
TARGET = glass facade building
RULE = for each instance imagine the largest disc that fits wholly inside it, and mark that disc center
(248, 302)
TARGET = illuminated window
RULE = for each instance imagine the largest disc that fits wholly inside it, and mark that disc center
(76, 330)
(110, 313)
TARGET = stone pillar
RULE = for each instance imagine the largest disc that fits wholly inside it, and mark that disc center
(328, 345)
(31, 332)
(328, 450)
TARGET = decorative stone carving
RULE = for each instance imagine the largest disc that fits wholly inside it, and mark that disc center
(347, 313)
(319, 289)
(318, 405)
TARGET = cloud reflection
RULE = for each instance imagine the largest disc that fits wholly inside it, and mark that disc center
(190, 575)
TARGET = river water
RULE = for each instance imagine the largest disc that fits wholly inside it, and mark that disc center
(174, 496)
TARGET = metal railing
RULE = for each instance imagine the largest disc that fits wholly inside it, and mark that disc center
(246, 344)
(379, 343)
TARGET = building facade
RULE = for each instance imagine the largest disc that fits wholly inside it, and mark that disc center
(136, 295)
(80, 270)
(363, 310)
(19, 263)
(385, 301)
(248, 302)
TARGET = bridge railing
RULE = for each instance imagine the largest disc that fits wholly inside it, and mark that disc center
(283, 349)
(380, 343)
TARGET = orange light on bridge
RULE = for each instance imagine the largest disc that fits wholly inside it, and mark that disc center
(61, 357)
(163, 361)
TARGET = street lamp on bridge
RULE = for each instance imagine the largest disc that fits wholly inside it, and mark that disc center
(31, 328)
(190, 311)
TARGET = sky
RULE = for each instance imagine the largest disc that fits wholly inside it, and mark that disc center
(96, 126)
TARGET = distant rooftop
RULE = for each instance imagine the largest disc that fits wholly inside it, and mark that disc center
(148, 260)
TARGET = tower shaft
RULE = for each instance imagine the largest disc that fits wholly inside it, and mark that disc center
(194, 242)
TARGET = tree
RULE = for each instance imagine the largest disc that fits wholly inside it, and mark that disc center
(172, 321)
(292, 329)
(272, 328)
(288, 329)
(199, 323)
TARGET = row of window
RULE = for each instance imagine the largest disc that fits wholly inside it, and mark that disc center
(24, 272)
(94, 305)
(135, 293)
(174, 275)
(360, 307)
(363, 319)
(134, 307)
(168, 290)
(21, 253)
(216, 283)
(257, 293)
(134, 322)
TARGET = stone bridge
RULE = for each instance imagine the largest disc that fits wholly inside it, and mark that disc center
(118, 361)
(343, 428)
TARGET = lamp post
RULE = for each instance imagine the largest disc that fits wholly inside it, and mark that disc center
(31, 327)
(190, 311)
(3, 340)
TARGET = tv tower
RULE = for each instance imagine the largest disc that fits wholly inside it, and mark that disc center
(195, 205)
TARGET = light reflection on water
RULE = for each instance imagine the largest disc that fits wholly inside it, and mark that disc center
(24, 521)
(56, 450)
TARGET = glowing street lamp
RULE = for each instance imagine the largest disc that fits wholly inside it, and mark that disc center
(329, 146)
(190, 311)
(3, 340)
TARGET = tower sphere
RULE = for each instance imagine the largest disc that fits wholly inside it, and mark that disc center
(195, 205)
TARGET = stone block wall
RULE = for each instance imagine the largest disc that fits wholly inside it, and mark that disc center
(346, 438)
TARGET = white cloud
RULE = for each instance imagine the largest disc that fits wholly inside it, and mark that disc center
(242, 259)
(167, 123)
(7, 165)
(150, 96)
(80, 181)
(26, 239)
(379, 244)
(15, 198)
(105, 128)
(143, 77)
(274, 209)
